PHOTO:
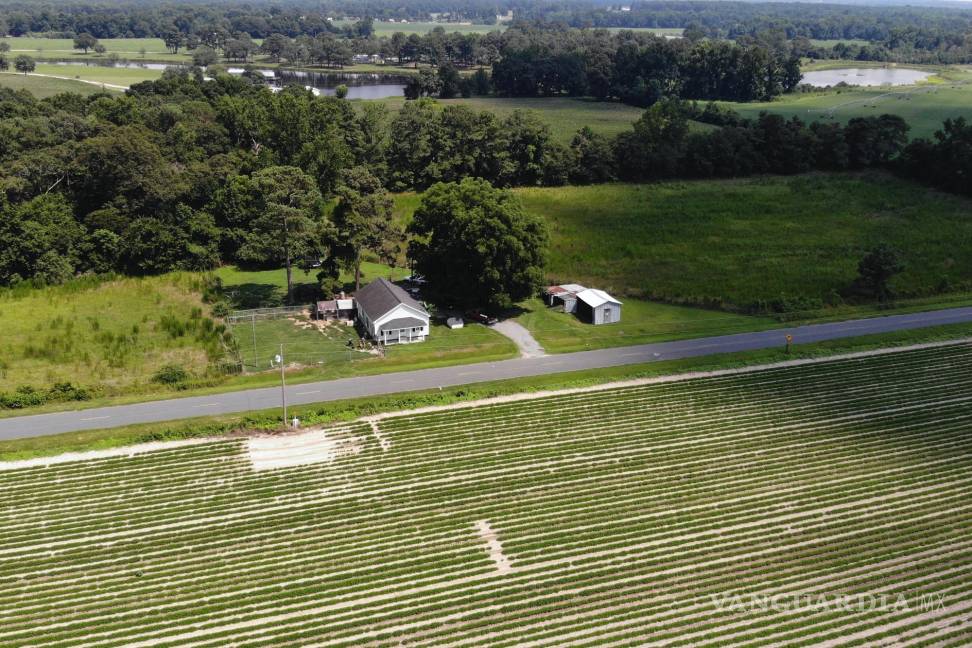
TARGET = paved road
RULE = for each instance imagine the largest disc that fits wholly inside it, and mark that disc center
(256, 399)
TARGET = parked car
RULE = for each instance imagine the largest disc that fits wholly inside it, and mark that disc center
(481, 318)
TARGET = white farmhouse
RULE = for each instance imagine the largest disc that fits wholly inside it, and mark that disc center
(389, 315)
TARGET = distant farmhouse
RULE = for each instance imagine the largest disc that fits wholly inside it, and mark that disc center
(389, 315)
(588, 304)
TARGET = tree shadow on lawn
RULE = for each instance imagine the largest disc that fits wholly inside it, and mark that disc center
(262, 295)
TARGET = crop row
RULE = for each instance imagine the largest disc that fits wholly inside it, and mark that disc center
(622, 512)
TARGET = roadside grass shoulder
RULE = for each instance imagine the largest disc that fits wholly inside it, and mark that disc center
(350, 409)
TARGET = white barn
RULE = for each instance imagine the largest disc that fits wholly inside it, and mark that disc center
(389, 315)
(598, 307)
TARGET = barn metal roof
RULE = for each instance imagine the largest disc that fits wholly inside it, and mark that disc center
(594, 297)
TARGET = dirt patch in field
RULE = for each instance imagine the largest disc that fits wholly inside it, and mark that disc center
(267, 452)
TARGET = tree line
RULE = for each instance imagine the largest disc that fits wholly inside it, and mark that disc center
(183, 173)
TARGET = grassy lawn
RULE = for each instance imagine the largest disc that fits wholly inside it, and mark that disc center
(325, 352)
(924, 106)
(42, 87)
(641, 322)
(119, 76)
(128, 48)
(263, 288)
(107, 335)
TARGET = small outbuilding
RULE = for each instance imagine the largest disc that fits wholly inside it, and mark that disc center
(598, 307)
(390, 315)
(339, 308)
(563, 295)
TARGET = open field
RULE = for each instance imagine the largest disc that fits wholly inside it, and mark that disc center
(63, 48)
(565, 116)
(629, 515)
(42, 87)
(119, 76)
(923, 106)
(112, 335)
(738, 241)
(668, 32)
(825, 42)
(385, 28)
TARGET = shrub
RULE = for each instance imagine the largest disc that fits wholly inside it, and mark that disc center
(221, 309)
(171, 375)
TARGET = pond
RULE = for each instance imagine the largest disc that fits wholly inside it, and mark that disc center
(360, 86)
(865, 76)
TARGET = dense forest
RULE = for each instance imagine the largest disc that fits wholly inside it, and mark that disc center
(186, 173)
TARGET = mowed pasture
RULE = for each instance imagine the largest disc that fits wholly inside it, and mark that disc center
(925, 107)
(129, 48)
(625, 516)
(121, 77)
(43, 87)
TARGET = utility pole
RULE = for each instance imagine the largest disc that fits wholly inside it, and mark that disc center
(253, 332)
(283, 385)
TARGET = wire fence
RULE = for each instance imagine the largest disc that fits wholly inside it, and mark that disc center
(255, 314)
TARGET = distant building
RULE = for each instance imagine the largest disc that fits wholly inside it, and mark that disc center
(390, 315)
(589, 304)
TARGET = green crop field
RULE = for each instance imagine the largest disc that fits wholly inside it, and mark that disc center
(798, 505)
(111, 335)
(923, 106)
(42, 87)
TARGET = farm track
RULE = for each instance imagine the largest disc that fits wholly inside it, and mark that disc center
(613, 517)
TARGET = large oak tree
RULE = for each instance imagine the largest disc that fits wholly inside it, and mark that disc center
(476, 246)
